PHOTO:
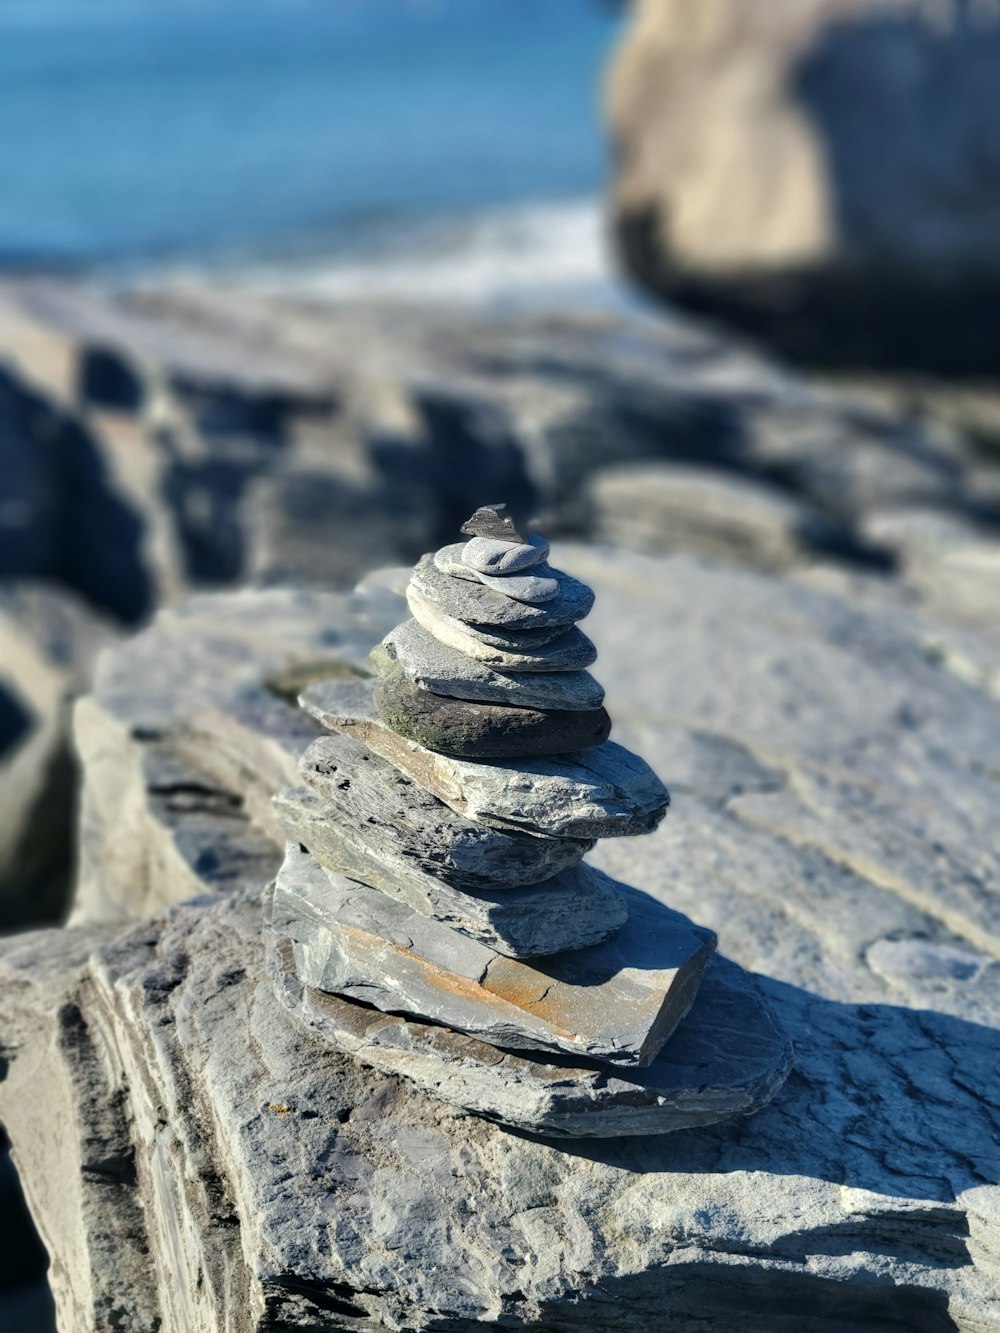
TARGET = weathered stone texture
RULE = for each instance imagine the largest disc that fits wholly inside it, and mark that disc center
(501, 731)
(835, 789)
(616, 1002)
(604, 792)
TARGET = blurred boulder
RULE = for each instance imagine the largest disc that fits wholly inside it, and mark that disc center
(954, 567)
(726, 516)
(825, 173)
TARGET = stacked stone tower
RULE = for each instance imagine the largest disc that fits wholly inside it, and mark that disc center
(434, 915)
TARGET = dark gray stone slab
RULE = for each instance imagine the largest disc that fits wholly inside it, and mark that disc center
(380, 809)
(605, 792)
(434, 666)
(570, 650)
(616, 1002)
(480, 605)
(494, 521)
(727, 1058)
(571, 910)
(487, 731)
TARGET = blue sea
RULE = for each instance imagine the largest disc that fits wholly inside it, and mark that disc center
(413, 143)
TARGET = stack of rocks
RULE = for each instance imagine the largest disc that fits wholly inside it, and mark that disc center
(434, 915)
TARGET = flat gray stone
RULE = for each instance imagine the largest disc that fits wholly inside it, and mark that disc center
(537, 586)
(483, 731)
(616, 1002)
(604, 792)
(495, 521)
(479, 605)
(571, 910)
(488, 555)
(497, 636)
(434, 666)
(570, 651)
(728, 1057)
(380, 809)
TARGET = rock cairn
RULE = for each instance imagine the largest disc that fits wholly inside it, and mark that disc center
(434, 915)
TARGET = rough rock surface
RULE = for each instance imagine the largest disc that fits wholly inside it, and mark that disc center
(434, 666)
(415, 830)
(498, 731)
(570, 650)
(291, 1178)
(833, 766)
(789, 166)
(605, 792)
(568, 910)
(618, 1001)
(728, 1058)
(189, 731)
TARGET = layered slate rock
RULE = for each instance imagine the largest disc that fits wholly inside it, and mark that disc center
(432, 665)
(612, 1002)
(472, 601)
(603, 792)
(198, 1126)
(407, 885)
(487, 731)
(569, 910)
(370, 803)
(728, 1059)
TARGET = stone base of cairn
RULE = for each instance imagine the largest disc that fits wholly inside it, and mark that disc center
(434, 916)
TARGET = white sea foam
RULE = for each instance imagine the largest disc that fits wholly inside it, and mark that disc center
(542, 254)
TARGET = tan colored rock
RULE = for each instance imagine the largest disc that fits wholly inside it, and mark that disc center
(790, 164)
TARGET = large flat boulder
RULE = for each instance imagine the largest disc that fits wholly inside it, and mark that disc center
(835, 794)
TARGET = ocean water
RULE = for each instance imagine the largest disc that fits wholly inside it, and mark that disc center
(423, 146)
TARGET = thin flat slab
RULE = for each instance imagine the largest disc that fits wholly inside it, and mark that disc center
(616, 1002)
(380, 809)
(604, 792)
(571, 910)
(728, 1057)
(571, 650)
(536, 585)
(480, 605)
(434, 666)
(497, 636)
(482, 731)
(490, 555)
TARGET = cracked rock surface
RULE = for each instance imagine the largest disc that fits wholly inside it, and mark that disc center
(835, 781)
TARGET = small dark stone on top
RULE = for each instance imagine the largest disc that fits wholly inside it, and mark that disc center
(494, 521)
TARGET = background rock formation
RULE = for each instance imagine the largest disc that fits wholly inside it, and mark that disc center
(826, 173)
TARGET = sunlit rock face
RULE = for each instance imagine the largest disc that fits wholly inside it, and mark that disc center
(826, 173)
(832, 766)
